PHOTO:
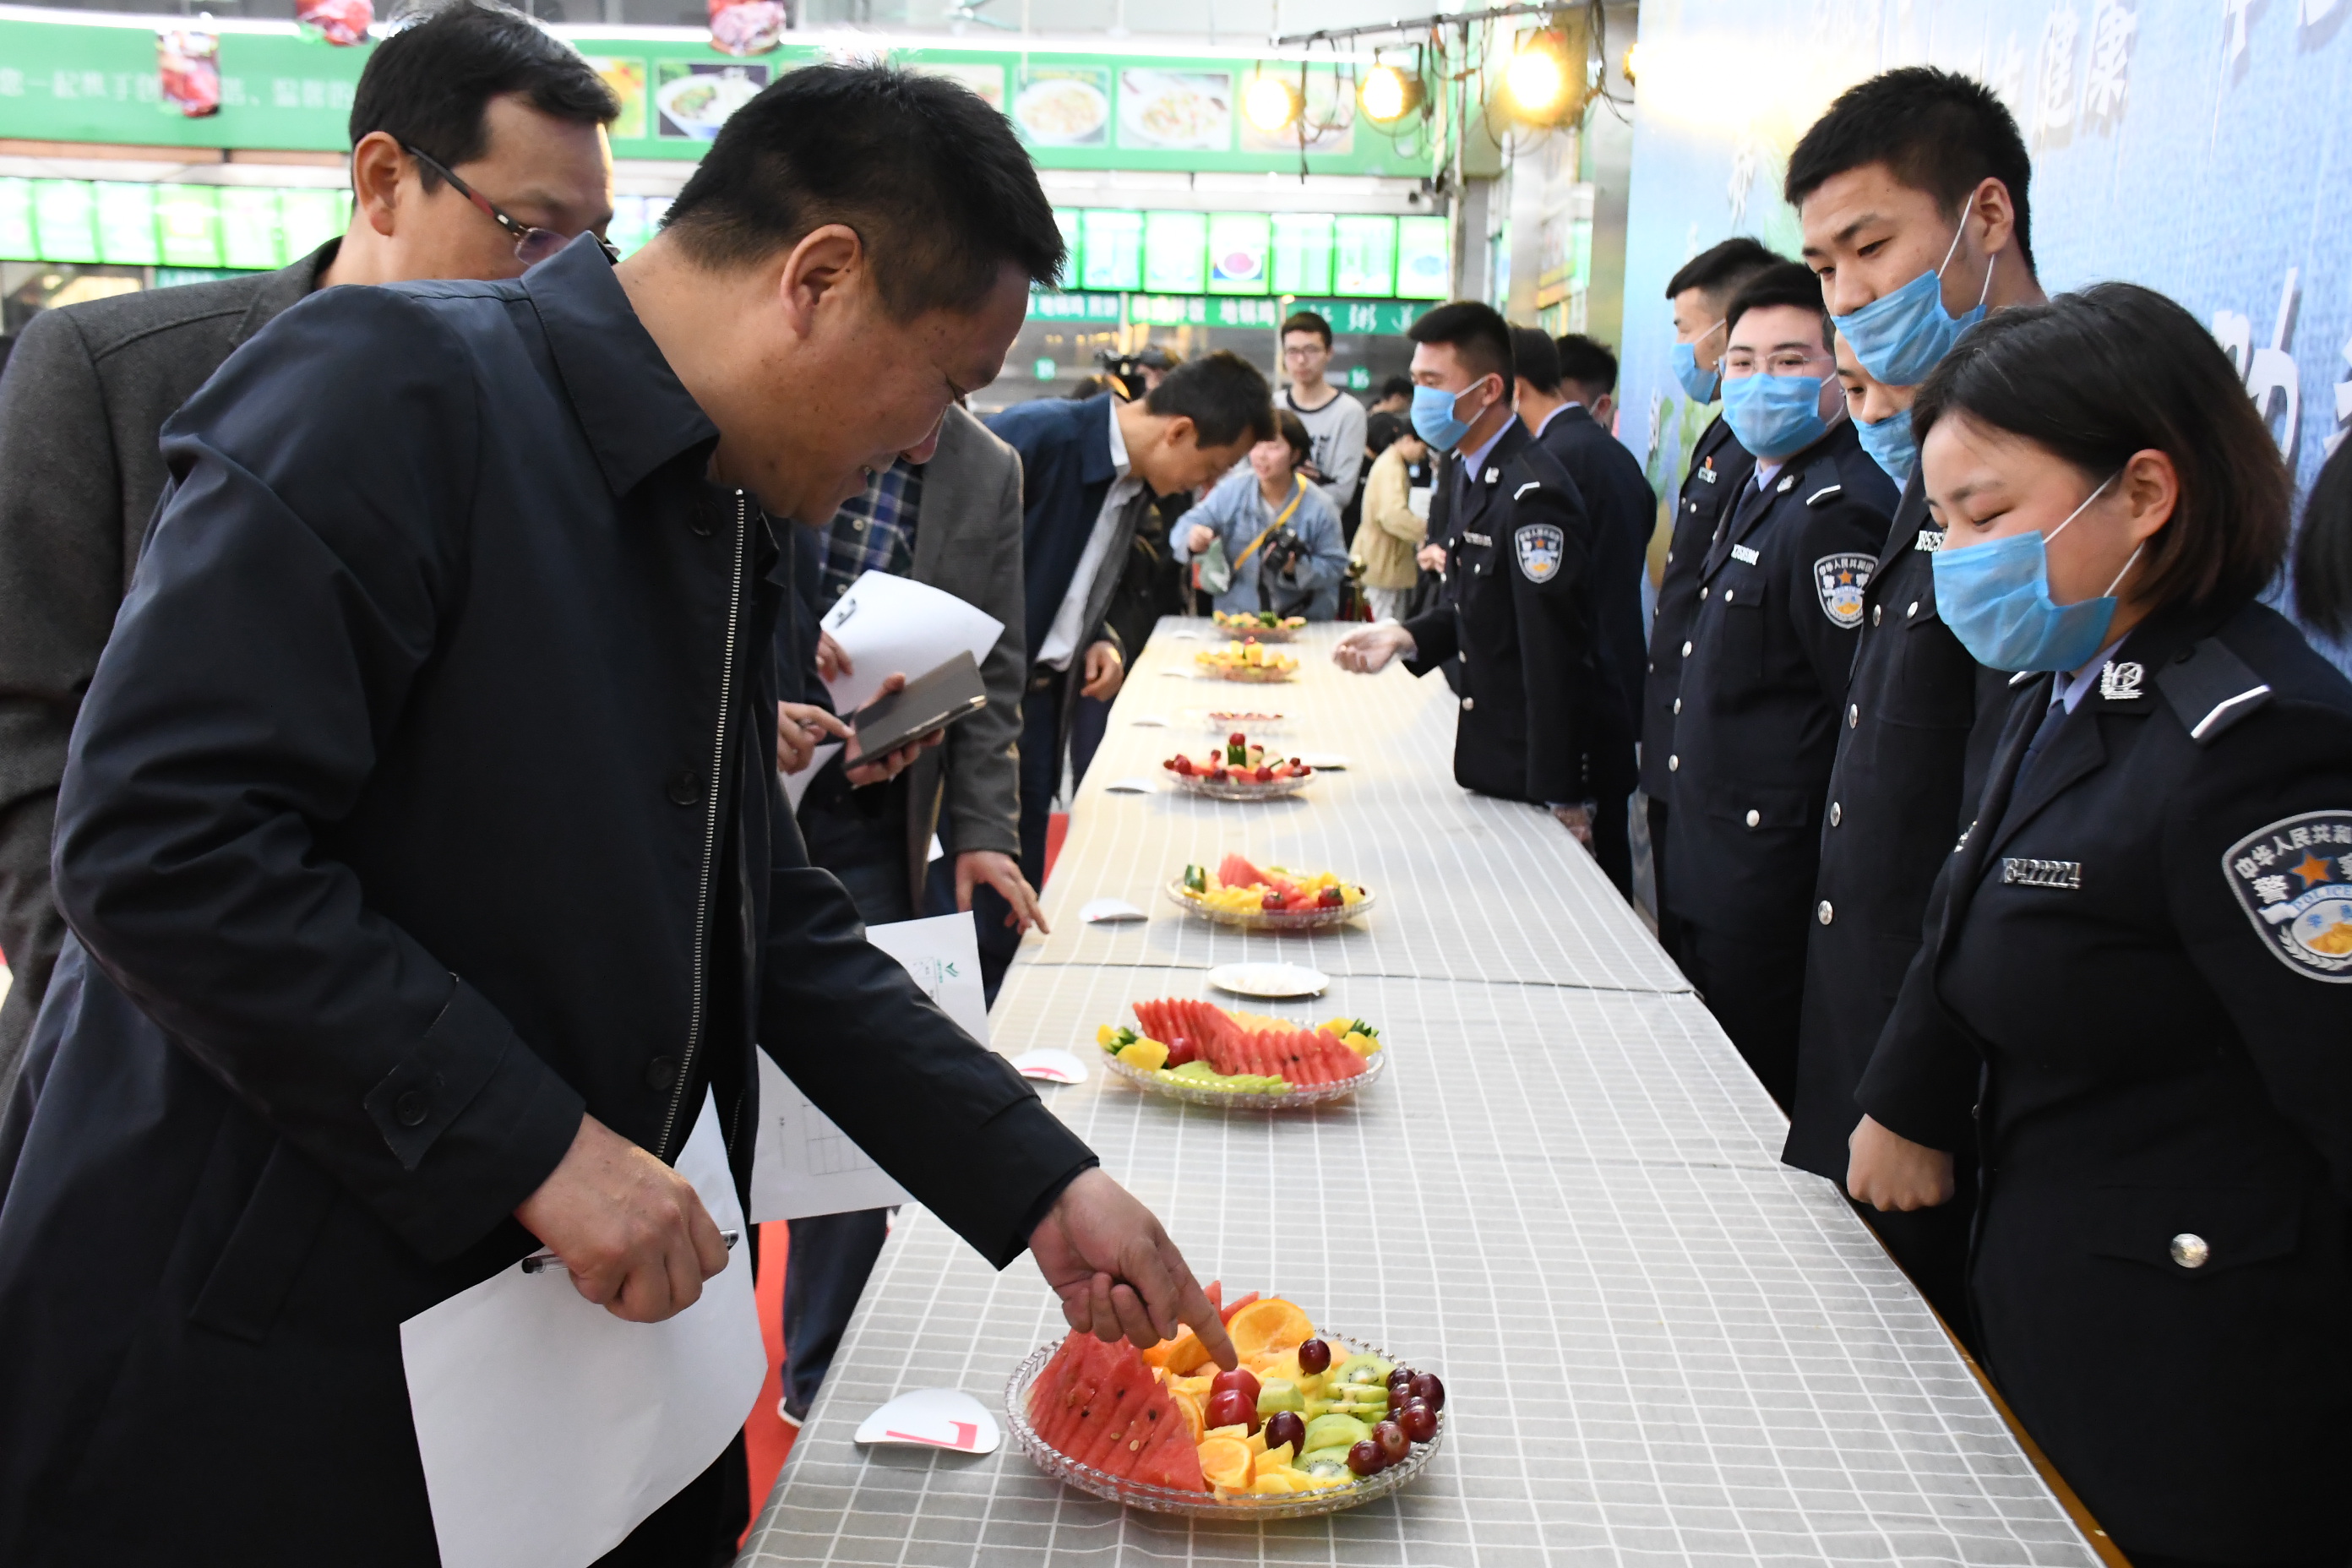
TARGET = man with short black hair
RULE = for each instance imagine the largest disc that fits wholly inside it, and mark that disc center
(1588, 374)
(1911, 196)
(1610, 482)
(1089, 469)
(1516, 606)
(1334, 421)
(1699, 295)
(1763, 685)
(1396, 395)
(429, 868)
(473, 90)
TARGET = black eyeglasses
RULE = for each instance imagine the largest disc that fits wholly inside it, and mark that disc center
(532, 246)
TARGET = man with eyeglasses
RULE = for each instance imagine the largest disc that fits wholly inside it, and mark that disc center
(1765, 660)
(1334, 421)
(478, 148)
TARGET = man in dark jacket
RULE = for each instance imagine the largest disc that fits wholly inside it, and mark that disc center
(1088, 471)
(423, 846)
(480, 91)
(1560, 410)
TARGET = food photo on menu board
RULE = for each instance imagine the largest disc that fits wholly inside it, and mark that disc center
(1181, 110)
(626, 78)
(1063, 105)
(694, 98)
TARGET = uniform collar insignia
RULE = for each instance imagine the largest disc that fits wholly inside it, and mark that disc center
(2120, 682)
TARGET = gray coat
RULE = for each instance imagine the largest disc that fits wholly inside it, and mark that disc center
(968, 544)
(86, 392)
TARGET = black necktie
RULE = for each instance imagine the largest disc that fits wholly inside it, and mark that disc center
(2042, 737)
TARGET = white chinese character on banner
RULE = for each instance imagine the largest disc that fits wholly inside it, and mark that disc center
(12, 82)
(1747, 162)
(2053, 80)
(2108, 83)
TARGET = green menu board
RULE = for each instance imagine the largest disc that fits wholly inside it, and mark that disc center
(17, 241)
(1423, 271)
(64, 220)
(1073, 242)
(1302, 253)
(1240, 248)
(126, 224)
(1364, 252)
(250, 228)
(1114, 250)
(189, 217)
(1175, 252)
(306, 219)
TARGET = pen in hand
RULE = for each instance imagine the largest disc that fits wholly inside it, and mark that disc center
(548, 1263)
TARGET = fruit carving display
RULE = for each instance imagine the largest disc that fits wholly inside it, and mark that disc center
(1246, 661)
(1263, 623)
(1239, 764)
(1302, 1413)
(1238, 887)
(1198, 1043)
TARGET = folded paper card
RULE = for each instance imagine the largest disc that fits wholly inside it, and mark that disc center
(933, 1418)
(895, 626)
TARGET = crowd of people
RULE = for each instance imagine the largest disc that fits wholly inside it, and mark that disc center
(402, 682)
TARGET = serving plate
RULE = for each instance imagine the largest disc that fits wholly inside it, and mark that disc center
(1316, 919)
(1296, 1098)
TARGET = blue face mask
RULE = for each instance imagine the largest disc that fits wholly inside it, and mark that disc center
(1900, 337)
(1433, 418)
(1698, 386)
(1996, 598)
(1890, 446)
(1774, 417)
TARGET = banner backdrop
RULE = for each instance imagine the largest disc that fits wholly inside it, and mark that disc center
(2192, 148)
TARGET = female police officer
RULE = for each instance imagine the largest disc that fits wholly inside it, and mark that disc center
(2142, 948)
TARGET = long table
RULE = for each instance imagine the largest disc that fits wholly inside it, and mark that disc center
(1660, 1344)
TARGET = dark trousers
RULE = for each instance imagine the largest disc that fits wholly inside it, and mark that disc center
(1670, 928)
(1612, 841)
(830, 1256)
(1755, 989)
(1041, 781)
(1932, 1247)
(698, 1528)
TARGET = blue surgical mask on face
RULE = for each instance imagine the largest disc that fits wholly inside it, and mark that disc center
(1996, 598)
(1775, 417)
(1433, 418)
(1698, 386)
(1900, 337)
(1890, 446)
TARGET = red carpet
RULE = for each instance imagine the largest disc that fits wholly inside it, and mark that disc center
(766, 1438)
(1057, 828)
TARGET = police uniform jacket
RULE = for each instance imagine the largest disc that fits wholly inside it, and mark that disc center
(1763, 687)
(1625, 511)
(1719, 466)
(1518, 609)
(2143, 953)
(1905, 779)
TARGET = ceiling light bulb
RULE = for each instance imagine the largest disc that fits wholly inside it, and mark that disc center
(1271, 104)
(1537, 80)
(1383, 94)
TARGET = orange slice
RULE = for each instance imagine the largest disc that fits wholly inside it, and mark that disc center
(1270, 1327)
(1225, 1462)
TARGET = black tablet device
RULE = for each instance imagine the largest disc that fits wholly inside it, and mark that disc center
(931, 702)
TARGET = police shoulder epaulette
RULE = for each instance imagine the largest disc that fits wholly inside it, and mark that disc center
(1827, 492)
(2211, 688)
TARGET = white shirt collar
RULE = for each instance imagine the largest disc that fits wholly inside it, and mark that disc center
(2072, 688)
(1117, 440)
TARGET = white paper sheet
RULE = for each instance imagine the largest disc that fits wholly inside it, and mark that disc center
(802, 1163)
(550, 1428)
(895, 625)
(796, 785)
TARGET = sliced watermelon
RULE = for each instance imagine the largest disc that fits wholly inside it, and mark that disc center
(1053, 1381)
(1226, 1312)
(1171, 1460)
(1146, 1429)
(1081, 1413)
(1236, 872)
(1117, 1403)
(1216, 1292)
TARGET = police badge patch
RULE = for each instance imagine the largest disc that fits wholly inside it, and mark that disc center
(1539, 545)
(1839, 580)
(2294, 879)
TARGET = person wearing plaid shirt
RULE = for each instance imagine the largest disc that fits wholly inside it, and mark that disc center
(873, 532)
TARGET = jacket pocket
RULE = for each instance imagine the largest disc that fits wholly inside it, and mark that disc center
(2194, 1232)
(1936, 681)
(266, 1252)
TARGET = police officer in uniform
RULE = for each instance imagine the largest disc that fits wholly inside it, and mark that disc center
(1907, 262)
(1763, 687)
(1518, 607)
(1700, 295)
(2134, 1009)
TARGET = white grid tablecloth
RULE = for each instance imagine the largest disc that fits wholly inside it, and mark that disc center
(1660, 1345)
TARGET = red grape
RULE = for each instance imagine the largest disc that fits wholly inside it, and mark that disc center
(1240, 1378)
(1287, 1426)
(1400, 1395)
(1419, 1421)
(1393, 1444)
(1183, 766)
(1331, 899)
(1428, 1389)
(1264, 774)
(1399, 1377)
(1314, 1356)
(1365, 1459)
(1233, 1408)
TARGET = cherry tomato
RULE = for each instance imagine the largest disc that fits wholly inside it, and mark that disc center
(1240, 1378)
(1233, 1408)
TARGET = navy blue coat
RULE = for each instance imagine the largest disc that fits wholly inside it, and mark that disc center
(425, 798)
(1065, 471)
(1624, 512)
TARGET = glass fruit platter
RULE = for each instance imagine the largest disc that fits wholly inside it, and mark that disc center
(1309, 1424)
(1206, 1054)
(1238, 770)
(1262, 624)
(1246, 661)
(1238, 893)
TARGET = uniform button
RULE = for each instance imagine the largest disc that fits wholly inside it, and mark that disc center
(2190, 1251)
(699, 522)
(1754, 817)
(1914, 609)
(1654, 666)
(1673, 764)
(1853, 715)
(1468, 703)
(1730, 595)
(411, 1110)
(684, 789)
(1874, 609)
(1670, 554)
(1837, 814)
(1702, 593)
(660, 1071)
(1686, 648)
(1824, 914)
(1679, 704)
